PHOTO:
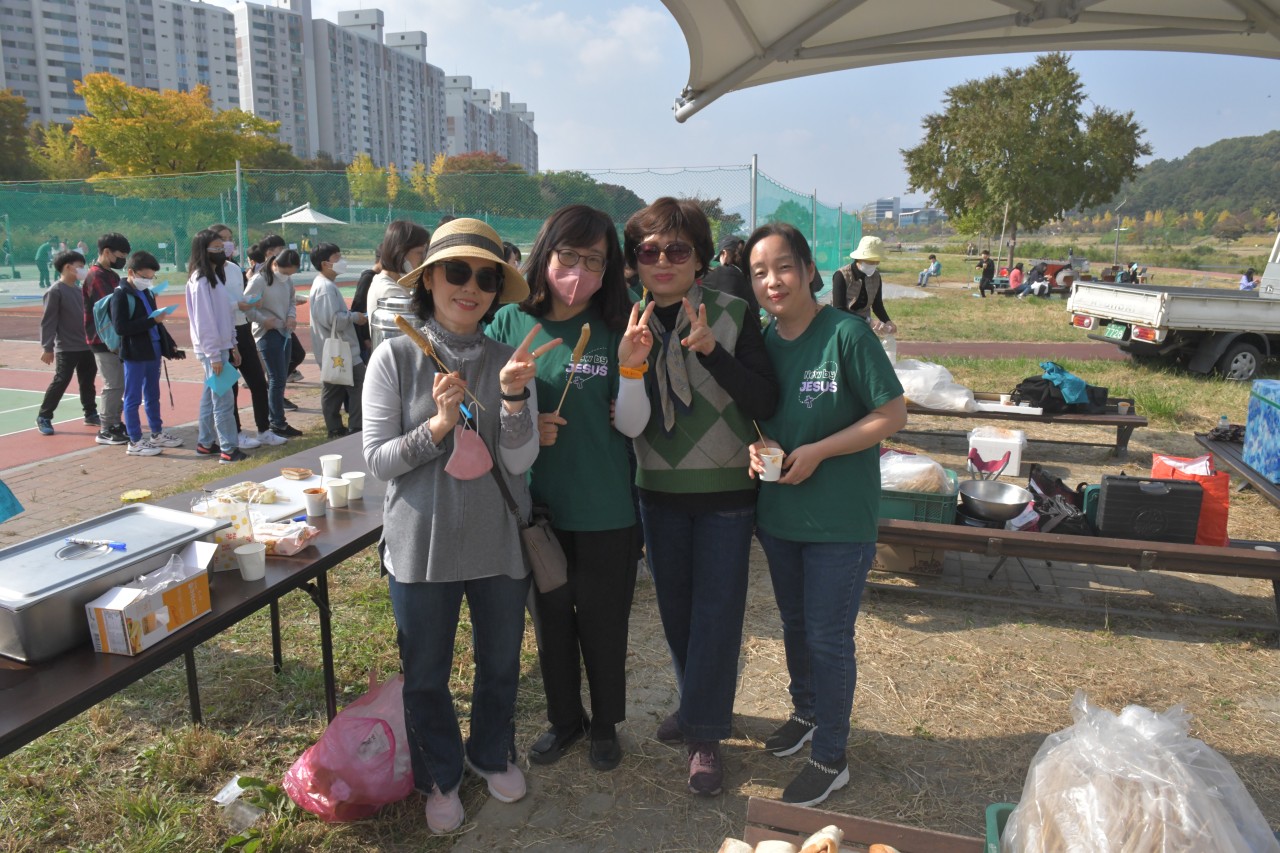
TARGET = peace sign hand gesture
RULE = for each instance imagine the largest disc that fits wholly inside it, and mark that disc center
(520, 368)
(637, 340)
(700, 338)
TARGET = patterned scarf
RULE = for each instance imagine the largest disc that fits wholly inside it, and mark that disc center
(669, 368)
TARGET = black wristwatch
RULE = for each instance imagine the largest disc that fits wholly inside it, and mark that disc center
(515, 398)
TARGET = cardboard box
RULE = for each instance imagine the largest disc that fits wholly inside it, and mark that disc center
(992, 442)
(125, 620)
(1262, 429)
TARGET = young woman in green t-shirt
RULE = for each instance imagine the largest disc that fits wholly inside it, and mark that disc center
(838, 398)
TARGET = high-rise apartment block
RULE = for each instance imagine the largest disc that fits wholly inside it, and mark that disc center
(344, 88)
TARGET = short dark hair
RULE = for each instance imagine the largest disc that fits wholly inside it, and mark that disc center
(113, 241)
(401, 236)
(986, 251)
(322, 253)
(795, 241)
(932, 257)
(70, 256)
(511, 252)
(578, 225)
(670, 215)
(424, 306)
(271, 241)
(143, 261)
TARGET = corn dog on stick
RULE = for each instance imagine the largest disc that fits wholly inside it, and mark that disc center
(579, 350)
(425, 345)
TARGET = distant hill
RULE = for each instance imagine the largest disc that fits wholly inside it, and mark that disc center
(1237, 174)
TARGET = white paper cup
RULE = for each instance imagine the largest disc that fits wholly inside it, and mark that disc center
(355, 485)
(315, 499)
(253, 561)
(331, 465)
(772, 458)
(1122, 408)
(1006, 399)
(337, 492)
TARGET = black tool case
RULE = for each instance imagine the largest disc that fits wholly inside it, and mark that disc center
(1143, 508)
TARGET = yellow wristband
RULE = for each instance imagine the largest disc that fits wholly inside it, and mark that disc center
(633, 372)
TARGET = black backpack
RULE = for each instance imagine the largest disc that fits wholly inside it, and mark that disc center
(1041, 392)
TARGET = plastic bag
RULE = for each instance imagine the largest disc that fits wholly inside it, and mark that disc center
(908, 472)
(360, 763)
(1135, 783)
(931, 386)
(284, 538)
(229, 538)
(1214, 508)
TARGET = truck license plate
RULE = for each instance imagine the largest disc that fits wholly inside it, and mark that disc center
(1115, 331)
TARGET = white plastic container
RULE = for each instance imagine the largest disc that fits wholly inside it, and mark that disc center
(992, 443)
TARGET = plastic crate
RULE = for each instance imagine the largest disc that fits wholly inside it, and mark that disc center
(921, 506)
(997, 817)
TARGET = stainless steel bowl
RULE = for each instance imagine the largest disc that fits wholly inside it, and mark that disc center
(992, 499)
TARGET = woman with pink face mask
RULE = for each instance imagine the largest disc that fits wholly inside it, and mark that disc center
(583, 473)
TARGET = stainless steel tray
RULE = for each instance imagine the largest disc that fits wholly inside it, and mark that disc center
(45, 583)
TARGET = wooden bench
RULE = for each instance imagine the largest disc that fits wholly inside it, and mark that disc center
(1231, 456)
(1124, 424)
(777, 821)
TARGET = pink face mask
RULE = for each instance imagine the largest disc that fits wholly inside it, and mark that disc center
(470, 458)
(575, 285)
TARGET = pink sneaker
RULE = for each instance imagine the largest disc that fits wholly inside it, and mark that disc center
(444, 811)
(505, 785)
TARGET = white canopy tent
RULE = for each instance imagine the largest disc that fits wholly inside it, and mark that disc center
(304, 215)
(736, 44)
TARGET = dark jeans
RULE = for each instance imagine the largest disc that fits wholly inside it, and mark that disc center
(987, 284)
(583, 624)
(332, 397)
(274, 349)
(426, 627)
(84, 367)
(819, 586)
(254, 377)
(297, 353)
(699, 564)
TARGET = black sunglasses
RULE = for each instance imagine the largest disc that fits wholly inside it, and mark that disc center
(677, 252)
(458, 273)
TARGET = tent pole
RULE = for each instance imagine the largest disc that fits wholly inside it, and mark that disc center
(755, 171)
(239, 210)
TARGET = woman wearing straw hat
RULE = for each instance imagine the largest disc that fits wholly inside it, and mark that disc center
(857, 287)
(441, 433)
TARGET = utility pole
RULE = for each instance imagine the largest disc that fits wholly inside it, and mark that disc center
(1115, 259)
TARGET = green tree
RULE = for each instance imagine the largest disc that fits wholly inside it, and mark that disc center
(420, 183)
(794, 213)
(1020, 138)
(58, 156)
(368, 183)
(15, 163)
(721, 223)
(479, 183)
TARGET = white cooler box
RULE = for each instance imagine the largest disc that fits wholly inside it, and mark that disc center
(993, 442)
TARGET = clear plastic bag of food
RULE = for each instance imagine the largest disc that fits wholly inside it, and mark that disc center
(932, 386)
(1135, 782)
(909, 472)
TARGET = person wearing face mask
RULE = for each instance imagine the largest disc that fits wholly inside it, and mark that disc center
(213, 337)
(101, 281)
(331, 316)
(858, 289)
(583, 473)
(144, 341)
(274, 317)
(62, 339)
(403, 246)
(251, 370)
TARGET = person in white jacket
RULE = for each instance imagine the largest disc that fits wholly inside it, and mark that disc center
(330, 317)
(213, 337)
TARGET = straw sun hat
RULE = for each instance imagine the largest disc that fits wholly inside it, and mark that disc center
(470, 238)
(869, 249)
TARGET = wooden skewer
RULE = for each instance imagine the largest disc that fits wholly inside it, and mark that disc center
(579, 350)
(425, 345)
(763, 440)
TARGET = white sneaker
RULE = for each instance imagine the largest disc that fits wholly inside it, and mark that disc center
(143, 448)
(165, 439)
(247, 441)
(270, 439)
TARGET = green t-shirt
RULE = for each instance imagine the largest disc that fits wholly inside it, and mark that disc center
(829, 378)
(585, 477)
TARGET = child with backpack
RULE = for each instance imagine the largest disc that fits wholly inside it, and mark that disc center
(62, 339)
(144, 341)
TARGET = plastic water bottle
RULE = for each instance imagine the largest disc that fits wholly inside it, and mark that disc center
(1223, 423)
(890, 343)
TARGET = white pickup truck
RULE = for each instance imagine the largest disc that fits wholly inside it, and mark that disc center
(1201, 328)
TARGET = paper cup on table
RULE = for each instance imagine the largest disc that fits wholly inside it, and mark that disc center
(1006, 399)
(338, 492)
(253, 561)
(355, 485)
(772, 458)
(331, 465)
(1122, 408)
(315, 499)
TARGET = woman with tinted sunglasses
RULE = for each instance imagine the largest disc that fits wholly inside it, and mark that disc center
(447, 531)
(583, 473)
(709, 377)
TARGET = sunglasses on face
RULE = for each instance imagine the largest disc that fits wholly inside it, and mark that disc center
(458, 273)
(677, 253)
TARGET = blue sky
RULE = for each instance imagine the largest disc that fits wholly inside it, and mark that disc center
(601, 77)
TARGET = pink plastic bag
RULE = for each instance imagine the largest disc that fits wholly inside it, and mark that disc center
(360, 763)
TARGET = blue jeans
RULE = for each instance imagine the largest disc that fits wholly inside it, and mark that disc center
(426, 625)
(819, 586)
(699, 563)
(217, 414)
(274, 349)
(142, 387)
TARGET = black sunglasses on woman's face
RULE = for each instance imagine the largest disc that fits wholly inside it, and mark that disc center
(458, 273)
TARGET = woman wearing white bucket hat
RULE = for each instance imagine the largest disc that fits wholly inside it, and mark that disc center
(857, 287)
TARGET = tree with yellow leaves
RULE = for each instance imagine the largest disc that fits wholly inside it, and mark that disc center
(367, 182)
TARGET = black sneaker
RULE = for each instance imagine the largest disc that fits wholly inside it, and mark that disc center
(555, 742)
(339, 433)
(816, 782)
(92, 419)
(211, 450)
(287, 431)
(290, 405)
(119, 429)
(110, 436)
(790, 736)
(605, 753)
(229, 456)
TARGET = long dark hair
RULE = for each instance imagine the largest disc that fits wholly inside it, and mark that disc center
(401, 236)
(581, 226)
(199, 262)
(287, 258)
(790, 235)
